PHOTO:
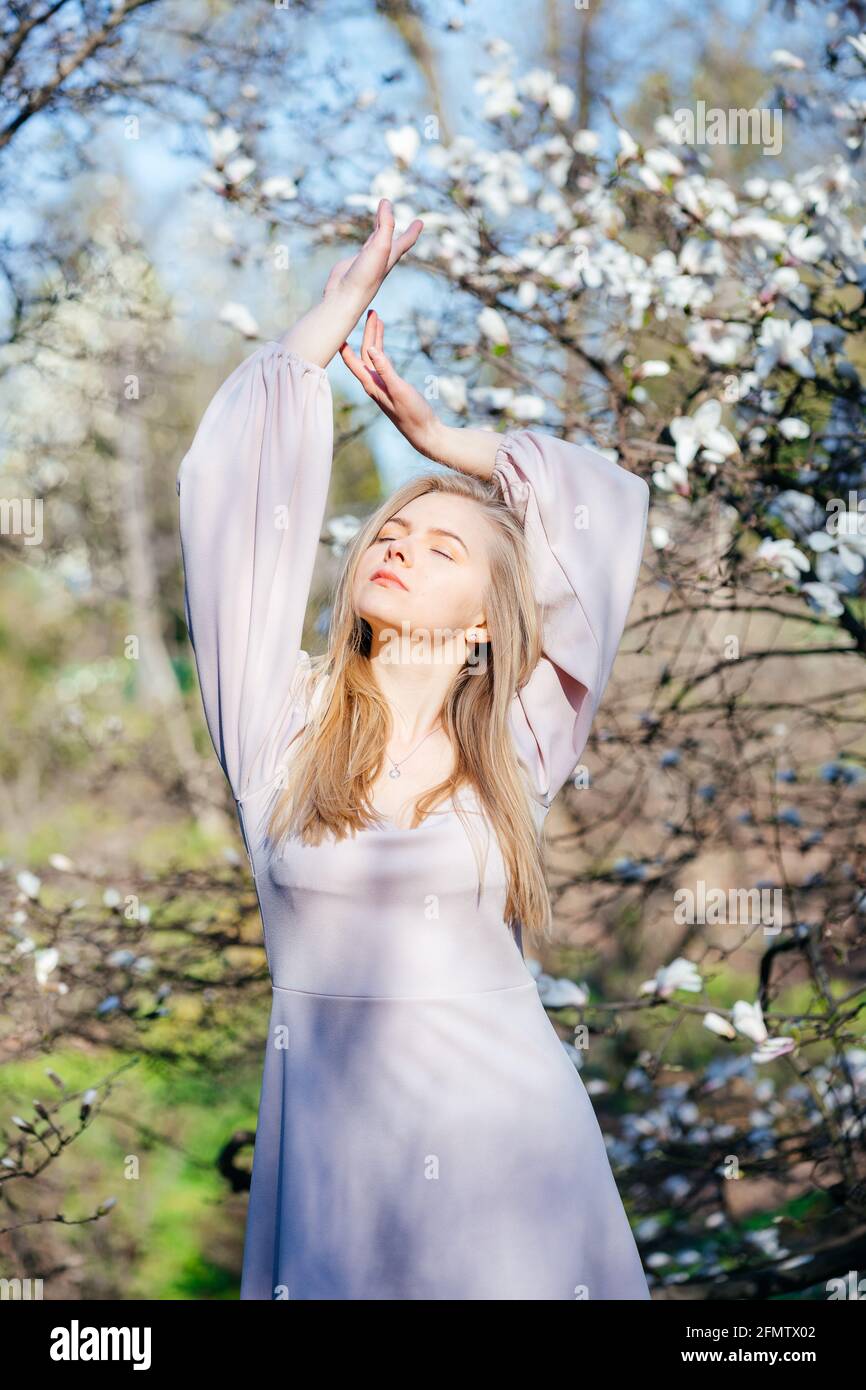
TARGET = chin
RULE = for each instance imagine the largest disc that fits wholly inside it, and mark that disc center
(382, 604)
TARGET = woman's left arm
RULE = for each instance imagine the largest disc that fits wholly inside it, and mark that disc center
(584, 520)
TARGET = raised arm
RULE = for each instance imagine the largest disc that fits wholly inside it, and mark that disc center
(253, 488)
(584, 519)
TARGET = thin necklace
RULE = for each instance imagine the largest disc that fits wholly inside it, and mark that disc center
(395, 767)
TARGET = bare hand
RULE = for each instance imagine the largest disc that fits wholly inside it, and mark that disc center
(361, 275)
(403, 405)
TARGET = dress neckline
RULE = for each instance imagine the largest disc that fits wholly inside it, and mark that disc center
(388, 822)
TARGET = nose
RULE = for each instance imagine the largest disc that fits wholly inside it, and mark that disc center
(399, 549)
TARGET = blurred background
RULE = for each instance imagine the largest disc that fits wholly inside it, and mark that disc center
(644, 231)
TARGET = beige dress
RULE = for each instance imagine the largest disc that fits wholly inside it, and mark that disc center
(422, 1133)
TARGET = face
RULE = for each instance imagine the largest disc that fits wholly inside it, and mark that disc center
(427, 569)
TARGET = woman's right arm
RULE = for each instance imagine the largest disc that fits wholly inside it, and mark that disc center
(253, 488)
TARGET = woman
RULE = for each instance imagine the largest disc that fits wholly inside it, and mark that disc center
(422, 1133)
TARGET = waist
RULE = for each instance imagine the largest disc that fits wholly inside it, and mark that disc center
(404, 998)
(392, 956)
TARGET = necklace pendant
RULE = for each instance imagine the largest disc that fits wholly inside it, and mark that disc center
(395, 772)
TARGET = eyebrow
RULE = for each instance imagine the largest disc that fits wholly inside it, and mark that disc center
(431, 530)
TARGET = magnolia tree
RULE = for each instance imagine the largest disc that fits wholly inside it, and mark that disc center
(706, 333)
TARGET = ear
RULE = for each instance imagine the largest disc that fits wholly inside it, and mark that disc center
(477, 633)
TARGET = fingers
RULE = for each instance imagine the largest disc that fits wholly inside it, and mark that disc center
(359, 369)
(365, 368)
(405, 241)
(386, 373)
(373, 345)
(369, 336)
(384, 227)
(384, 230)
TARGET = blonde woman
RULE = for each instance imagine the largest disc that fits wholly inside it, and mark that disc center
(422, 1133)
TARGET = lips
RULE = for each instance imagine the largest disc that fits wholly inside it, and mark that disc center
(386, 577)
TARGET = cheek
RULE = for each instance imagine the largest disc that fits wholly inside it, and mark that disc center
(446, 598)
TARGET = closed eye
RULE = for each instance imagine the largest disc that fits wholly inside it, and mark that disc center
(380, 540)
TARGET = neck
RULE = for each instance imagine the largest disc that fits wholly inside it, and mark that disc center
(415, 693)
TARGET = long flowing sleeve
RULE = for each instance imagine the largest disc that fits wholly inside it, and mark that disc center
(585, 521)
(253, 489)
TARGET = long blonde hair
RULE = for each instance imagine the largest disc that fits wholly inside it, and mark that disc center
(339, 753)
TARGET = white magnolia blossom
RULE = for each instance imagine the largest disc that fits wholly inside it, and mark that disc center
(586, 142)
(717, 1024)
(539, 85)
(663, 162)
(703, 430)
(783, 557)
(500, 92)
(452, 390)
(805, 245)
(671, 477)
(561, 993)
(491, 398)
(794, 428)
(708, 199)
(782, 197)
(651, 368)
(680, 974)
(785, 280)
(771, 1048)
(800, 512)
(748, 1019)
(848, 542)
(717, 341)
(493, 326)
(782, 343)
(239, 169)
(762, 228)
(505, 185)
(701, 256)
(279, 189)
(628, 148)
(223, 143)
(238, 316)
(223, 232)
(687, 292)
(44, 962)
(29, 884)
(823, 599)
(340, 530)
(403, 143)
(859, 45)
(527, 294)
(526, 408)
(782, 58)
